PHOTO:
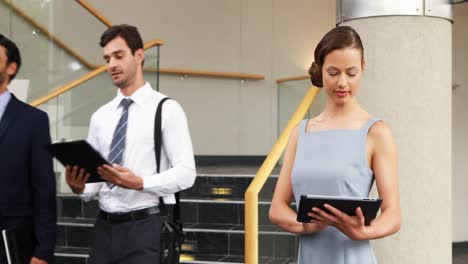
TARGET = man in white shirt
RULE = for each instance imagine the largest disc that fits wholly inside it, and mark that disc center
(128, 226)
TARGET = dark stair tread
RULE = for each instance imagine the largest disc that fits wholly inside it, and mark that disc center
(239, 200)
(76, 252)
(72, 221)
(188, 227)
(208, 259)
(232, 228)
(232, 170)
(193, 258)
(79, 252)
(227, 200)
(223, 200)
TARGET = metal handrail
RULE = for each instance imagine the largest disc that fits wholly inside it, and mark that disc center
(183, 72)
(105, 21)
(67, 87)
(295, 78)
(48, 34)
(251, 195)
(94, 12)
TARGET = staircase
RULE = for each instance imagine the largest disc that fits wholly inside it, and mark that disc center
(213, 215)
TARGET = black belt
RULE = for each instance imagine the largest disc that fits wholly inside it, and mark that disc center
(114, 218)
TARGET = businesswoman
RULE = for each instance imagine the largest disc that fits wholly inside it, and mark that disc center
(339, 152)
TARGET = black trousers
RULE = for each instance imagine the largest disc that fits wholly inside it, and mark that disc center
(132, 242)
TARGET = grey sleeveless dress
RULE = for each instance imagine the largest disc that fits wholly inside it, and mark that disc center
(332, 162)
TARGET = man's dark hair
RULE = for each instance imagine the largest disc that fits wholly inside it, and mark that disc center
(129, 33)
(12, 53)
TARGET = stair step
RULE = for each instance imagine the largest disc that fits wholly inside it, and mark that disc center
(217, 189)
(220, 201)
(82, 222)
(227, 186)
(234, 229)
(213, 215)
(231, 259)
(75, 252)
(224, 182)
(221, 239)
(188, 227)
(73, 255)
(233, 170)
(206, 210)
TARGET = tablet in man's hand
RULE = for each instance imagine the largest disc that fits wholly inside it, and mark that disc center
(81, 154)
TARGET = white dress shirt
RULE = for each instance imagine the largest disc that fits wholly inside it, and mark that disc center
(4, 100)
(177, 161)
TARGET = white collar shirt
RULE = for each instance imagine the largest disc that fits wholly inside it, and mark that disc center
(177, 160)
(4, 100)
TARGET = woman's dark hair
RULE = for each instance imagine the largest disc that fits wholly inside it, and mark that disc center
(12, 53)
(129, 33)
(338, 38)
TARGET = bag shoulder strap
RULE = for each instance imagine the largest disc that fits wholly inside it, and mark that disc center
(158, 133)
(157, 150)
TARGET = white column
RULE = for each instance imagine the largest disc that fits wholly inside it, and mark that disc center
(407, 83)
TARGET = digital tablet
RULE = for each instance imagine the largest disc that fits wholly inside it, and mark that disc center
(81, 154)
(348, 205)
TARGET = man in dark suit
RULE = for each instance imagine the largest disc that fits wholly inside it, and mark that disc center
(27, 183)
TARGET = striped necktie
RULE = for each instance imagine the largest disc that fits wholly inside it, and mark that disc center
(117, 147)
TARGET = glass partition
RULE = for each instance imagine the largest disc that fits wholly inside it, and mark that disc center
(47, 65)
(290, 94)
(69, 22)
(5, 20)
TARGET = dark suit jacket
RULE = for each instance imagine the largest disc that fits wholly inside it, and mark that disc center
(27, 182)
